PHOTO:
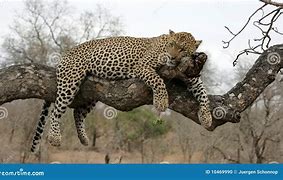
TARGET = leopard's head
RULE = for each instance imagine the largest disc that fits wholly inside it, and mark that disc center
(181, 44)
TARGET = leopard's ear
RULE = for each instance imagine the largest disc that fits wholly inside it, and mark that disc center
(198, 42)
(171, 32)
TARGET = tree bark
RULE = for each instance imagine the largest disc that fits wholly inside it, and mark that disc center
(39, 81)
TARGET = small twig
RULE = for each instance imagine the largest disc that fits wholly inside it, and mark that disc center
(251, 50)
(276, 30)
(51, 30)
(230, 31)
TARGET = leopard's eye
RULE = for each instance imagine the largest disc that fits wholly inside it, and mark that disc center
(182, 49)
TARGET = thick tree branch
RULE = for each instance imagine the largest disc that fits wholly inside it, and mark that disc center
(277, 4)
(257, 79)
(39, 81)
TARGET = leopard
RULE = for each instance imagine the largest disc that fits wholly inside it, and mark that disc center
(113, 58)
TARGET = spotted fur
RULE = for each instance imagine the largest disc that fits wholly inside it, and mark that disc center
(199, 92)
(79, 117)
(115, 58)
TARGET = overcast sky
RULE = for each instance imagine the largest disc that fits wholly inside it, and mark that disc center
(205, 19)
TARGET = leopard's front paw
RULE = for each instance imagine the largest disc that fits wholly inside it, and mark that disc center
(54, 138)
(161, 103)
(205, 117)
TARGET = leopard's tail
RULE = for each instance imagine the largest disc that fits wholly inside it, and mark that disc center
(40, 127)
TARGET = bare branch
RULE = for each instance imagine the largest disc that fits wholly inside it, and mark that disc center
(227, 43)
(276, 30)
(51, 31)
(266, 16)
(251, 50)
(265, 40)
(270, 25)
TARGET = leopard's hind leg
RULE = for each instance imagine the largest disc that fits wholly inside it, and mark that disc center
(68, 83)
(79, 117)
